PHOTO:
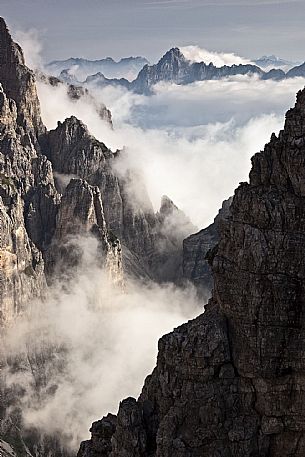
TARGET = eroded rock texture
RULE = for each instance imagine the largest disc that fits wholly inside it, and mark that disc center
(231, 382)
(34, 218)
(198, 247)
(31, 208)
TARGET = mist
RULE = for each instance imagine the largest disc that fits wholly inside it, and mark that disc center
(202, 135)
(89, 345)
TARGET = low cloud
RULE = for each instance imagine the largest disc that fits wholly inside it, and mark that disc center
(192, 143)
(88, 346)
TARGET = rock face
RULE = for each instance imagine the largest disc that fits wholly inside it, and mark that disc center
(35, 218)
(26, 183)
(196, 247)
(81, 213)
(151, 242)
(19, 82)
(231, 382)
(174, 226)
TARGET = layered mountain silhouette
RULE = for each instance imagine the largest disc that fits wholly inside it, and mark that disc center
(81, 68)
(173, 67)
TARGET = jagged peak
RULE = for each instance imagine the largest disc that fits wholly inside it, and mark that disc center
(18, 82)
(10, 52)
(167, 206)
(173, 54)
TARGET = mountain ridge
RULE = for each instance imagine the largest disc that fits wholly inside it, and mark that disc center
(173, 67)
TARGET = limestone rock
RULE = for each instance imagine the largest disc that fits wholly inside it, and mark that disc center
(81, 213)
(22, 267)
(19, 82)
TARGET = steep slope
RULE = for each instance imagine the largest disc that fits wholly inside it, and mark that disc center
(18, 82)
(196, 247)
(76, 92)
(150, 248)
(26, 183)
(231, 382)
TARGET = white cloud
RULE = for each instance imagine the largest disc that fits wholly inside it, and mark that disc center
(193, 143)
(31, 46)
(88, 346)
(197, 54)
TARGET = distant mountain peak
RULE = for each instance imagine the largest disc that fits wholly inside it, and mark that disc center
(173, 54)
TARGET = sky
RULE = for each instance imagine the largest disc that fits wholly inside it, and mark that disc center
(118, 28)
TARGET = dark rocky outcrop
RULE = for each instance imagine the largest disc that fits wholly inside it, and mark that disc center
(197, 248)
(231, 382)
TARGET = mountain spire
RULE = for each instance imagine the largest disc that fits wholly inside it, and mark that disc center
(18, 82)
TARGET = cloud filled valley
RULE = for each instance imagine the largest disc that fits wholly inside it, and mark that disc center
(114, 201)
(203, 134)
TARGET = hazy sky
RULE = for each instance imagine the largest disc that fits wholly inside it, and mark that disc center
(98, 28)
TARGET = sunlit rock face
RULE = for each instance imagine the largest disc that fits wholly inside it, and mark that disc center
(19, 82)
(231, 382)
(31, 206)
(26, 182)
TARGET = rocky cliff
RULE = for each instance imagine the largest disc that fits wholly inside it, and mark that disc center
(30, 202)
(198, 247)
(231, 382)
(35, 219)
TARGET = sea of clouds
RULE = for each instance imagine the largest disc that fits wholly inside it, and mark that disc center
(90, 344)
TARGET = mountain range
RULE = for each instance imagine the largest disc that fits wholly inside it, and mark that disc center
(173, 67)
(81, 68)
(270, 62)
(229, 383)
